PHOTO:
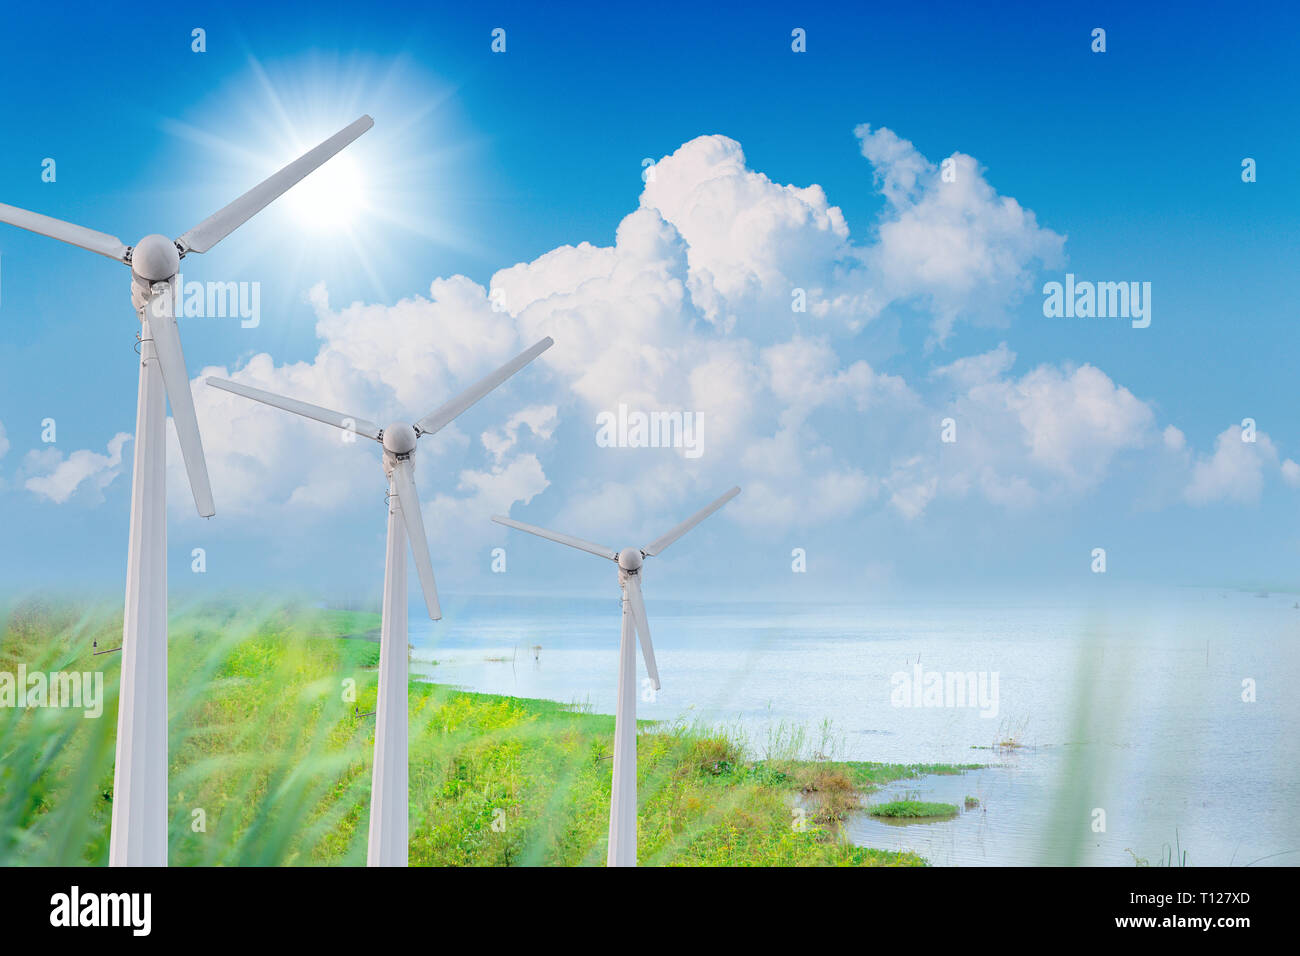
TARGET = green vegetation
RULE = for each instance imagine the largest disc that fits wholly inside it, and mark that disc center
(271, 746)
(913, 810)
(1010, 737)
(972, 802)
(1173, 855)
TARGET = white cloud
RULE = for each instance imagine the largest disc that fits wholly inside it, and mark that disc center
(911, 498)
(465, 519)
(689, 310)
(749, 240)
(627, 332)
(426, 343)
(973, 370)
(4, 441)
(1236, 469)
(958, 246)
(540, 419)
(1052, 432)
(804, 374)
(262, 458)
(56, 478)
(829, 495)
(1076, 421)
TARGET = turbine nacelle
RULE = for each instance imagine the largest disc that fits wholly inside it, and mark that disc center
(629, 562)
(399, 439)
(155, 258)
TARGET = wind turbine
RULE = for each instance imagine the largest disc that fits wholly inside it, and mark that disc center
(622, 807)
(139, 829)
(388, 793)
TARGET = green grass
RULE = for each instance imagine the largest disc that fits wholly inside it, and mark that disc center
(270, 754)
(913, 810)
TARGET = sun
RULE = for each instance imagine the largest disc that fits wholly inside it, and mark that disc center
(365, 212)
(333, 199)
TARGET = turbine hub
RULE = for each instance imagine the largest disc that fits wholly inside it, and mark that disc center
(399, 438)
(155, 258)
(629, 559)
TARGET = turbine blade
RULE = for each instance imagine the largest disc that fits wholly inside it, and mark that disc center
(408, 500)
(597, 549)
(660, 543)
(442, 416)
(347, 422)
(171, 360)
(633, 589)
(100, 242)
(222, 223)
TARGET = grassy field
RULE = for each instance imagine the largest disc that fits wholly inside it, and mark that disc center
(271, 748)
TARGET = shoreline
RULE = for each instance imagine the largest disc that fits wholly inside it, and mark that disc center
(271, 742)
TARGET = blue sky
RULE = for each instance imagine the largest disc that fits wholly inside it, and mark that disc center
(1129, 162)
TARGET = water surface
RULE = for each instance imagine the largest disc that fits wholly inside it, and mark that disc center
(1128, 708)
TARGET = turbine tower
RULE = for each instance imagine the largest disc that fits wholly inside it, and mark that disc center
(139, 833)
(622, 807)
(389, 811)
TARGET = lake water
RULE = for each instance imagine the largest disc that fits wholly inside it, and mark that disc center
(1132, 734)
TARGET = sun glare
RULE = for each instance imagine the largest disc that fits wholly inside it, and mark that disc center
(332, 199)
(356, 209)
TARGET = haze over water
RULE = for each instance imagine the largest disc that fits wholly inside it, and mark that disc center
(1131, 707)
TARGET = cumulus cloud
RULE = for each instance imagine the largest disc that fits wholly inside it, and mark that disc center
(1053, 431)
(465, 518)
(261, 457)
(689, 310)
(973, 370)
(4, 441)
(1236, 469)
(911, 493)
(453, 336)
(832, 494)
(1075, 422)
(748, 240)
(629, 332)
(540, 419)
(804, 374)
(958, 246)
(796, 475)
(56, 478)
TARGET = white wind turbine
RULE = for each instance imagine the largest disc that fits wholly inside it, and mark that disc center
(389, 791)
(139, 829)
(622, 807)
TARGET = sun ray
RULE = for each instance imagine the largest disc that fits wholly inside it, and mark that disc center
(402, 181)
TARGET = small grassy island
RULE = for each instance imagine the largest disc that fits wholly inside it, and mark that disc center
(913, 810)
